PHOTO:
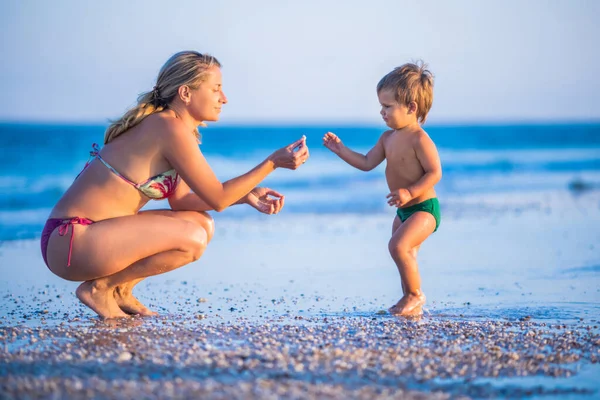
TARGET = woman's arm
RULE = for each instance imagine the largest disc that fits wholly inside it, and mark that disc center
(182, 152)
(185, 200)
(265, 200)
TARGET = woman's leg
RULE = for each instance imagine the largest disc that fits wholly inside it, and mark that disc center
(124, 292)
(111, 252)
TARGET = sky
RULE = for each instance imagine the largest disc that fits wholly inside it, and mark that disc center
(305, 61)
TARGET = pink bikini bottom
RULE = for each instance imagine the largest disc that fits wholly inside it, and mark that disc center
(63, 228)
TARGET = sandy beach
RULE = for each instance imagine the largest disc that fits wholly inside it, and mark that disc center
(294, 306)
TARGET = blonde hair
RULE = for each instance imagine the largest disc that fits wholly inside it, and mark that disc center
(184, 68)
(411, 82)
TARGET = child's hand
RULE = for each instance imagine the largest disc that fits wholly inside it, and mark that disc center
(332, 142)
(399, 197)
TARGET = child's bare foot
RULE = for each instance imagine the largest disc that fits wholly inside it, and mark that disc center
(409, 305)
(415, 314)
(130, 304)
(100, 299)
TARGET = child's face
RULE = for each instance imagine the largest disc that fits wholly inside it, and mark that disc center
(395, 115)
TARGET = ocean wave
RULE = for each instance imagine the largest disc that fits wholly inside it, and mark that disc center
(463, 170)
(519, 156)
(18, 217)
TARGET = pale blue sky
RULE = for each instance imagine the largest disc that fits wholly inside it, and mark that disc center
(305, 61)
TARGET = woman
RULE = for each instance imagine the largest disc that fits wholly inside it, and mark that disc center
(97, 234)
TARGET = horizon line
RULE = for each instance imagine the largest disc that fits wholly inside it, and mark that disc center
(317, 123)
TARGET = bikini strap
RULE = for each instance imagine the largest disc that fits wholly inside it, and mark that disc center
(117, 173)
(93, 154)
(64, 228)
(95, 150)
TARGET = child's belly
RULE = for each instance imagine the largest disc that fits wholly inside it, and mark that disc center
(402, 176)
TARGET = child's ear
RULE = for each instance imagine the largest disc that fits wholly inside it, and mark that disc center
(412, 107)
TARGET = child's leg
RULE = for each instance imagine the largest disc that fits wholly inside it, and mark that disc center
(395, 225)
(403, 248)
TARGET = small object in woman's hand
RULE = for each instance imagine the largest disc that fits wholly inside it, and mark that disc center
(300, 145)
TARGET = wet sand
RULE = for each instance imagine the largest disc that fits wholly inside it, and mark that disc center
(297, 311)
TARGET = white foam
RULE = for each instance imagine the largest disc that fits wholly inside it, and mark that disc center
(522, 156)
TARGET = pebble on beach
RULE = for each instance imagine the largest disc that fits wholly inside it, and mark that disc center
(333, 357)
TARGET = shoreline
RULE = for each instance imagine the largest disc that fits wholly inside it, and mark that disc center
(298, 310)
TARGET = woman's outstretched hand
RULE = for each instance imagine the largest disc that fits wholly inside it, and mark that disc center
(265, 200)
(291, 156)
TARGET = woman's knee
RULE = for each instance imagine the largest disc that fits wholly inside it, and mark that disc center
(195, 241)
(208, 223)
(201, 219)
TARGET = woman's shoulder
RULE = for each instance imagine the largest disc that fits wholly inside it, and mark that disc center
(164, 125)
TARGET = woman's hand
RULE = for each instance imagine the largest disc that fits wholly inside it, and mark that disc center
(291, 156)
(333, 142)
(399, 197)
(265, 200)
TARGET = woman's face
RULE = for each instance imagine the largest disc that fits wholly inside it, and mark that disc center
(206, 101)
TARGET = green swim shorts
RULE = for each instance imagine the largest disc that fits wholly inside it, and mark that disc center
(432, 206)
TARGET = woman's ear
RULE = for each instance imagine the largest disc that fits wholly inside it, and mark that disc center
(185, 94)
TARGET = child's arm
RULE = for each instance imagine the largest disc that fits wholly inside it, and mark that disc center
(374, 157)
(430, 161)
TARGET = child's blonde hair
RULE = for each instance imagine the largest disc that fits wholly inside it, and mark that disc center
(184, 68)
(411, 82)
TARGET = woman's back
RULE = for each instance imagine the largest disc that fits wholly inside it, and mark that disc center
(100, 193)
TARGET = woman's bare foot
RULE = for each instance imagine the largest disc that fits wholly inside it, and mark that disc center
(100, 299)
(409, 305)
(129, 303)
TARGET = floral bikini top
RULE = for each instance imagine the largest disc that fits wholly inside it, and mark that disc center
(157, 187)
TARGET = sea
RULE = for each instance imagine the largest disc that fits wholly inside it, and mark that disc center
(38, 162)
